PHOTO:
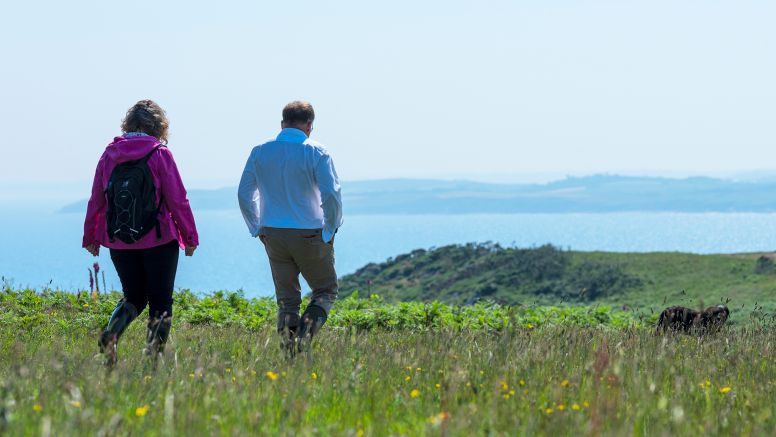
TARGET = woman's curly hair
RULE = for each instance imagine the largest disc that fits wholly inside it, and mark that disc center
(147, 117)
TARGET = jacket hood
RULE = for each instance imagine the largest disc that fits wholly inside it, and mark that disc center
(124, 149)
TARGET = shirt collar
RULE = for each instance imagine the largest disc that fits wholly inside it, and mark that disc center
(292, 135)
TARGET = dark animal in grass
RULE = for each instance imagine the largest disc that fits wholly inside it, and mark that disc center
(690, 320)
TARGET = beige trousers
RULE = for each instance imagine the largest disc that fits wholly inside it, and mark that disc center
(295, 251)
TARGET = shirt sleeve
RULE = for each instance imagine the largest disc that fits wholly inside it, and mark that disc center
(247, 195)
(331, 196)
(95, 209)
(176, 199)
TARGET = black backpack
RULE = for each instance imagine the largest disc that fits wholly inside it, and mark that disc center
(132, 208)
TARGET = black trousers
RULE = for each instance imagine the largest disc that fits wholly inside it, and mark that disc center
(148, 276)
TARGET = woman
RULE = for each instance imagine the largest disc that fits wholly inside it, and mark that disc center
(139, 210)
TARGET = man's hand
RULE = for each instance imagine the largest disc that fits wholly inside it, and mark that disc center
(190, 250)
(94, 249)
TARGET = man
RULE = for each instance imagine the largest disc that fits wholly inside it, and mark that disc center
(298, 213)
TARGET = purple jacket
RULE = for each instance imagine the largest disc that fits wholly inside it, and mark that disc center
(175, 216)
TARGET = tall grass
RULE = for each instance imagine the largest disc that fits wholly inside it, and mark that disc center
(222, 378)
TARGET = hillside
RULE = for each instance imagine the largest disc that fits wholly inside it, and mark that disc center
(547, 275)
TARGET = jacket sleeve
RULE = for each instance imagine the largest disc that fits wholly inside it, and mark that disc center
(247, 195)
(95, 209)
(331, 196)
(176, 199)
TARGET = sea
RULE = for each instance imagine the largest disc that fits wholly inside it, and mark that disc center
(41, 249)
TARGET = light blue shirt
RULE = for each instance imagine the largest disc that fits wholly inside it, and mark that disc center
(294, 180)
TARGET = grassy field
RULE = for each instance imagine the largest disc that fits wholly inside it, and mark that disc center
(484, 371)
(693, 280)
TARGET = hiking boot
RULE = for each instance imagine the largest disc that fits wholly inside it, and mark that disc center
(108, 342)
(313, 319)
(156, 336)
(287, 327)
(288, 342)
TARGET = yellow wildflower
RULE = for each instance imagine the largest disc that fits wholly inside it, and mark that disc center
(271, 375)
(561, 407)
(511, 392)
(37, 408)
(313, 375)
(437, 385)
(414, 393)
(360, 433)
(283, 373)
(548, 411)
(191, 375)
(725, 389)
(407, 378)
(575, 407)
(505, 396)
(564, 383)
(504, 386)
(522, 382)
(76, 404)
(228, 370)
(234, 379)
(529, 326)
(586, 404)
(141, 411)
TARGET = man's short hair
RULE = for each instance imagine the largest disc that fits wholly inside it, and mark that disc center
(298, 112)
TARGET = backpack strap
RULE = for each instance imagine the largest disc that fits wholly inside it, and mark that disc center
(161, 196)
(148, 156)
(158, 223)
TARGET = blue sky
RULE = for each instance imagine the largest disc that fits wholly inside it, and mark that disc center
(488, 90)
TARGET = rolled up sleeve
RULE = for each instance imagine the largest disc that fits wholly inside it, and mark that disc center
(331, 196)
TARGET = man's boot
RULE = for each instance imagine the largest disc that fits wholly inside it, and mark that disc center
(313, 319)
(287, 327)
(157, 335)
(122, 316)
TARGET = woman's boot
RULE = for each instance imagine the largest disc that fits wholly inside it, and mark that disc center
(122, 316)
(157, 334)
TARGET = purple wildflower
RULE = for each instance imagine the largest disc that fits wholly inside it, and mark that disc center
(91, 280)
(96, 268)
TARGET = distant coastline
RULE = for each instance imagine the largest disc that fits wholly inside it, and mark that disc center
(591, 194)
